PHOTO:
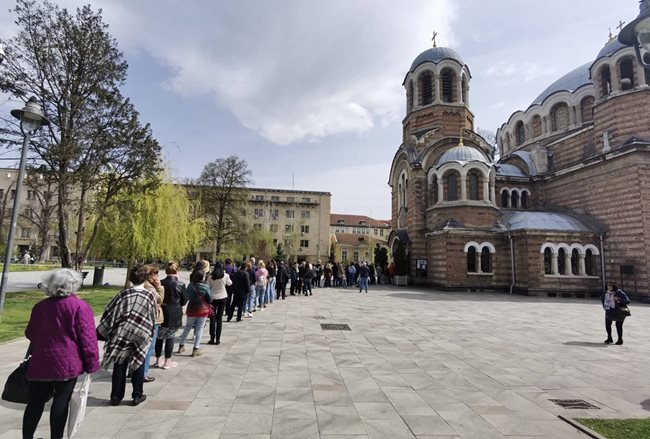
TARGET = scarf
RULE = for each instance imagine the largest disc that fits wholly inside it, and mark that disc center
(127, 326)
(609, 300)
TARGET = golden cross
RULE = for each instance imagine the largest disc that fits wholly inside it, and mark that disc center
(620, 25)
(435, 34)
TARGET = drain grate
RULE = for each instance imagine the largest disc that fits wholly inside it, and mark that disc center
(575, 404)
(334, 327)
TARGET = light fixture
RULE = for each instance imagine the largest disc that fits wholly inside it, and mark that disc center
(637, 34)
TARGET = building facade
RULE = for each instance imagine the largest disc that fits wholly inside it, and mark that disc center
(565, 208)
(353, 238)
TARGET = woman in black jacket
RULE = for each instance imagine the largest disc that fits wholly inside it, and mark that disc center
(172, 306)
(241, 285)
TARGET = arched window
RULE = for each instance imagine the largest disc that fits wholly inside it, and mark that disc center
(587, 109)
(434, 190)
(575, 262)
(627, 74)
(524, 200)
(486, 260)
(514, 199)
(464, 91)
(646, 59)
(548, 261)
(473, 186)
(537, 126)
(560, 117)
(561, 261)
(605, 81)
(472, 266)
(410, 96)
(448, 79)
(590, 265)
(452, 187)
(507, 141)
(520, 132)
(504, 198)
(426, 88)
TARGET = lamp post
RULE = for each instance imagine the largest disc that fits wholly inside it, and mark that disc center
(31, 119)
(637, 34)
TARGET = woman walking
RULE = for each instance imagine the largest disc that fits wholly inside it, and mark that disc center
(218, 282)
(175, 300)
(153, 284)
(198, 311)
(613, 299)
(61, 330)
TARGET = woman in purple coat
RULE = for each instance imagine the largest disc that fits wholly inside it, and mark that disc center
(61, 330)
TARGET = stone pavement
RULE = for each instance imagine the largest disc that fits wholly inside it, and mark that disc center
(416, 364)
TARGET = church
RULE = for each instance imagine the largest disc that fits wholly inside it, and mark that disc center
(564, 209)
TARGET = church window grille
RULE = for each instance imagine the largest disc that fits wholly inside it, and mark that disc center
(464, 91)
(486, 260)
(473, 187)
(587, 109)
(410, 96)
(575, 262)
(520, 131)
(452, 187)
(514, 200)
(590, 266)
(548, 261)
(646, 59)
(605, 81)
(524, 200)
(447, 86)
(426, 85)
(561, 261)
(504, 198)
(472, 266)
(560, 117)
(537, 126)
(627, 74)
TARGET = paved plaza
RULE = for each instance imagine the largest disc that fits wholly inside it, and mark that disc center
(415, 364)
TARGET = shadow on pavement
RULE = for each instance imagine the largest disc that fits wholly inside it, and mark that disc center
(585, 343)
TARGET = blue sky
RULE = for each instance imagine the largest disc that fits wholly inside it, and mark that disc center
(309, 92)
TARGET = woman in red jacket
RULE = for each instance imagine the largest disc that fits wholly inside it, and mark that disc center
(63, 346)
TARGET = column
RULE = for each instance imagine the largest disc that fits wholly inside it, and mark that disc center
(567, 264)
(582, 268)
(459, 90)
(579, 114)
(554, 269)
(441, 194)
(572, 115)
(615, 77)
(639, 73)
(463, 187)
(486, 188)
(436, 79)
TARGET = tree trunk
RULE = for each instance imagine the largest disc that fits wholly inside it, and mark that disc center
(129, 266)
(62, 213)
(80, 229)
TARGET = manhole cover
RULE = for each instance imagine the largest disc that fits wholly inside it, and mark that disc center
(334, 327)
(578, 404)
(320, 317)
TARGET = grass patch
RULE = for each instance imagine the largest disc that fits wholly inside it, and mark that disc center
(619, 428)
(18, 308)
(30, 267)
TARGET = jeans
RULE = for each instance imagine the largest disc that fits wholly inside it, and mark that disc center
(198, 331)
(250, 306)
(270, 291)
(152, 346)
(39, 393)
(363, 284)
(119, 381)
(216, 319)
(260, 290)
(306, 285)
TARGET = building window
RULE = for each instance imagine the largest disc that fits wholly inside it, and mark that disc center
(290, 199)
(524, 200)
(259, 197)
(275, 198)
(304, 243)
(561, 261)
(548, 261)
(289, 214)
(275, 214)
(587, 109)
(288, 227)
(29, 212)
(381, 232)
(31, 194)
(448, 78)
(306, 200)
(464, 91)
(590, 265)
(409, 96)
(275, 242)
(452, 187)
(304, 229)
(575, 261)
(504, 198)
(344, 255)
(514, 199)
(560, 117)
(25, 233)
(258, 212)
(355, 256)
(304, 214)
(257, 227)
(605, 81)
(473, 187)
(426, 85)
(472, 266)
(486, 260)
(627, 74)
(273, 228)
(13, 194)
(2, 194)
(520, 132)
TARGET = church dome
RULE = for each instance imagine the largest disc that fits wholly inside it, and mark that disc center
(435, 55)
(610, 48)
(569, 82)
(462, 153)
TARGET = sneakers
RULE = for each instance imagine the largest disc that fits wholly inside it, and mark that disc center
(169, 365)
(139, 399)
(619, 341)
(196, 352)
(160, 363)
(609, 340)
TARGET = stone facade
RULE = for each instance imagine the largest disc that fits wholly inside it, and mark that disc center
(565, 208)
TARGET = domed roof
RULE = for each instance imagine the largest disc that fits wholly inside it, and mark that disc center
(435, 55)
(610, 48)
(462, 153)
(569, 82)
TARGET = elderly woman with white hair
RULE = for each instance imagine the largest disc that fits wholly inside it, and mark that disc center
(61, 330)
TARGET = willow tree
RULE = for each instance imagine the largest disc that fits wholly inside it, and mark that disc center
(95, 145)
(154, 225)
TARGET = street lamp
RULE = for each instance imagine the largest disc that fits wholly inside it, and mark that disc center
(31, 119)
(637, 34)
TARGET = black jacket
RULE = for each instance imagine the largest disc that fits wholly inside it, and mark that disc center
(282, 276)
(241, 283)
(175, 299)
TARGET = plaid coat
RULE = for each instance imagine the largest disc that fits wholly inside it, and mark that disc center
(127, 326)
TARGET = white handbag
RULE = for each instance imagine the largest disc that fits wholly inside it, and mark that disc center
(77, 409)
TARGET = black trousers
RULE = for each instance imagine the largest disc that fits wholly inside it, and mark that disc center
(119, 381)
(217, 319)
(281, 289)
(229, 303)
(169, 347)
(238, 300)
(608, 328)
(39, 393)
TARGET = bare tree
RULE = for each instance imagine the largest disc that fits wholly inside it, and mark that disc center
(41, 208)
